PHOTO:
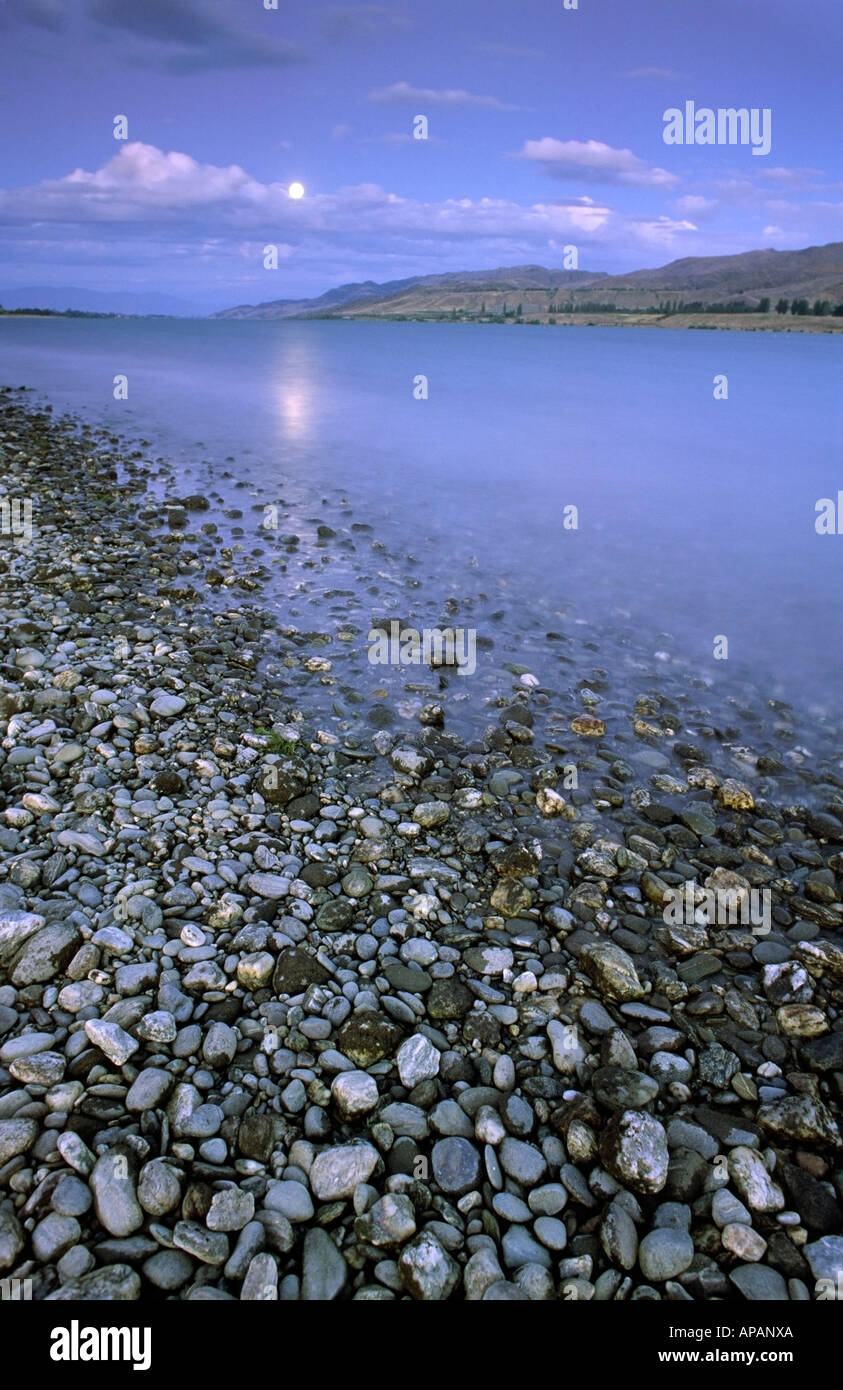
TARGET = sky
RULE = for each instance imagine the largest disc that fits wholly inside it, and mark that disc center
(545, 129)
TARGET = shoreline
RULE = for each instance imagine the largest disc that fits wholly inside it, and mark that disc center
(377, 1022)
(745, 323)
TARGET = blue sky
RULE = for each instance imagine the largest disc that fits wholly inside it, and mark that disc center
(545, 130)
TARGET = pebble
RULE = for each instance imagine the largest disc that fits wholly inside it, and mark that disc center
(741, 1241)
(324, 1270)
(619, 1237)
(753, 1182)
(117, 1045)
(759, 1284)
(150, 1089)
(664, 1254)
(168, 1270)
(292, 1199)
(230, 1210)
(634, 1149)
(71, 1197)
(417, 1060)
(343, 1013)
(211, 1247)
(726, 1209)
(337, 1171)
(159, 1188)
(54, 1235)
(16, 1136)
(427, 1271)
(115, 1201)
(167, 706)
(825, 1257)
(355, 1092)
(521, 1161)
(456, 1165)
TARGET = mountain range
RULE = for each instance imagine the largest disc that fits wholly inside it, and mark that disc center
(529, 291)
(743, 280)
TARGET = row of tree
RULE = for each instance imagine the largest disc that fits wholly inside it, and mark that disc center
(820, 309)
(57, 313)
(801, 307)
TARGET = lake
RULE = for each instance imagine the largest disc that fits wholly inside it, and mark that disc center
(694, 516)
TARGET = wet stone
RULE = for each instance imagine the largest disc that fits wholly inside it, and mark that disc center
(230, 1210)
(150, 1089)
(521, 1161)
(210, 1247)
(337, 1171)
(112, 1183)
(759, 1284)
(403, 977)
(449, 999)
(368, 1037)
(168, 1269)
(621, 1089)
(665, 1254)
(634, 1149)
(388, 1223)
(456, 1165)
(324, 1270)
(53, 1236)
(295, 970)
(71, 1197)
(427, 1271)
(256, 1136)
(417, 1060)
(612, 971)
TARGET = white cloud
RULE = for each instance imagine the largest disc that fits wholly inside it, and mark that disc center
(593, 162)
(400, 93)
(694, 205)
(806, 224)
(661, 231)
(172, 214)
(797, 178)
(344, 22)
(394, 137)
(139, 182)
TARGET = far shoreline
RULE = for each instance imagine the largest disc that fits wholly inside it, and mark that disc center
(740, 323)
(746, 323)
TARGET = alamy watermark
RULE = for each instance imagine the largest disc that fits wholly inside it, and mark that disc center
(728, 125)
(15, 1290)
(16, 517)
(723, 907)
(80, 1343)
(829, 520)
(432, 646)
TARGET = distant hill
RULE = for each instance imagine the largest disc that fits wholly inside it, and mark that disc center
(816, 272)
(368, 294)
(305, 308)
(532, 291)
(62, 297)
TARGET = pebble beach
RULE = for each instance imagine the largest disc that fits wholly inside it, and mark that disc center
(291, 1011)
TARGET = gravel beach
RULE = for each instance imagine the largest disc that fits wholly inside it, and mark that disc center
(289, 1016)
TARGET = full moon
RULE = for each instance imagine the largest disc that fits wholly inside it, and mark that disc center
(296, 190)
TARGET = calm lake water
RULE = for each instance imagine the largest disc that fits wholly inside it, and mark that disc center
(695, 515)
